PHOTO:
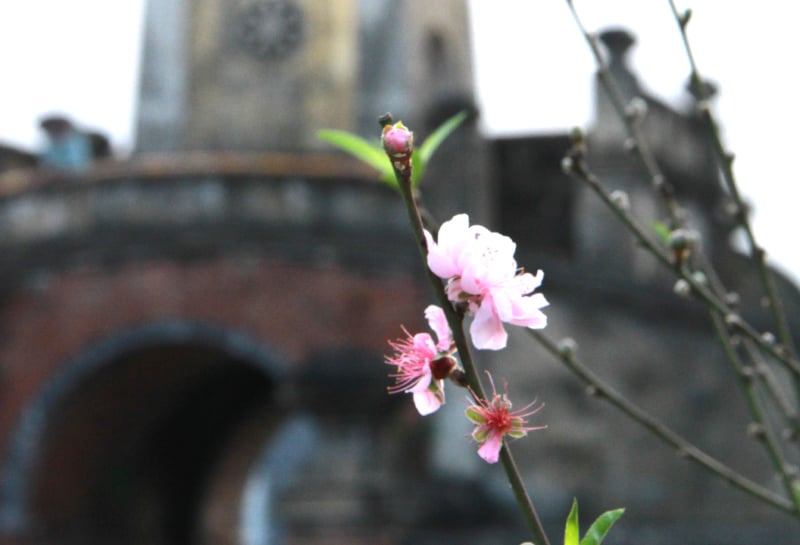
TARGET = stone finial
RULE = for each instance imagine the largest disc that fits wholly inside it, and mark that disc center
(617, 42)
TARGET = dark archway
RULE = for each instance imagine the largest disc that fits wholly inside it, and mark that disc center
(118, 447)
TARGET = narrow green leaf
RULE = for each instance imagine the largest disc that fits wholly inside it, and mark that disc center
(439, 135)
(572, 531)
(370, 153)
(599, 528)
(417, 169)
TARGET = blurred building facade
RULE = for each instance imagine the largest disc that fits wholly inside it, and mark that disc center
(192, 342)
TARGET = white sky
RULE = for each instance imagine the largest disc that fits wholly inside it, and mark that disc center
(533, 74)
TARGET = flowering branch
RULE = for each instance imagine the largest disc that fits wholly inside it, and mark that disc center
(398, 142)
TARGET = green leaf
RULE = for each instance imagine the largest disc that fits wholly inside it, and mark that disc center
(599, 528)
(662, 231)
(572, 531)
(434, 140)
(417, 168)
(371, 153)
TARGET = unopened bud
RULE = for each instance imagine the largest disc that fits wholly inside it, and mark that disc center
(682, 288)
(566, 164)
(700, 277)
(768, 337)
(732, 299)
(398, 141)
(621, 199)
(682, 239)
(733, 320)
(636, 109)
(567, 347)
(682, 242)
(685, 18)
(756, 431)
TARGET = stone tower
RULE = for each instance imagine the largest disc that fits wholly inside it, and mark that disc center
(265, 75)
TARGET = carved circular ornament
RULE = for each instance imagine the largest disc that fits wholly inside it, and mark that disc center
(269, 30)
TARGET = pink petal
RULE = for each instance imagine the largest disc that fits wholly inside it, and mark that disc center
(423, 383)
(427, 402)
(487, 330)
(444, 254)
(526, 312)
(424, 345)
(438, 323)
(490, 449)
(439, 261)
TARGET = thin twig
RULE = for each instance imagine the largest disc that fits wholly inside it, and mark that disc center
(770, 383)
(684, 447)
(631, 123)
(575, 166)
(761, 430)
(725, 159)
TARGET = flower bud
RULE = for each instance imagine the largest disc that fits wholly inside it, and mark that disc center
(621, 199)
(700, 277)
(682, 288)
(567, 347)
(398, 141)
(636, 109)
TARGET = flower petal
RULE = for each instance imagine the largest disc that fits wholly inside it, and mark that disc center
(487, 330)
(438, 323)
(490, 449)
(444, 253)
(428, 401)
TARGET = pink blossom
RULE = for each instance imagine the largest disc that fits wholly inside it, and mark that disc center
(494, 420)
(479, 268)
(422, 363)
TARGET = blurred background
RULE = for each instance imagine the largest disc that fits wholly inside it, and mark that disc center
(196, 292)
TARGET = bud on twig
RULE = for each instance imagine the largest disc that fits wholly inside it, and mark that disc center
(685, 18)
(636, 109)
(567, 347)
(700, 278)
(732, 299)
(621, 199)
(682, 242)
(756, 431)
(682, 288)
(398, 143)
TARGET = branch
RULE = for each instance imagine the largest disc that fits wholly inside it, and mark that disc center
(684, 447)
(725, 160)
